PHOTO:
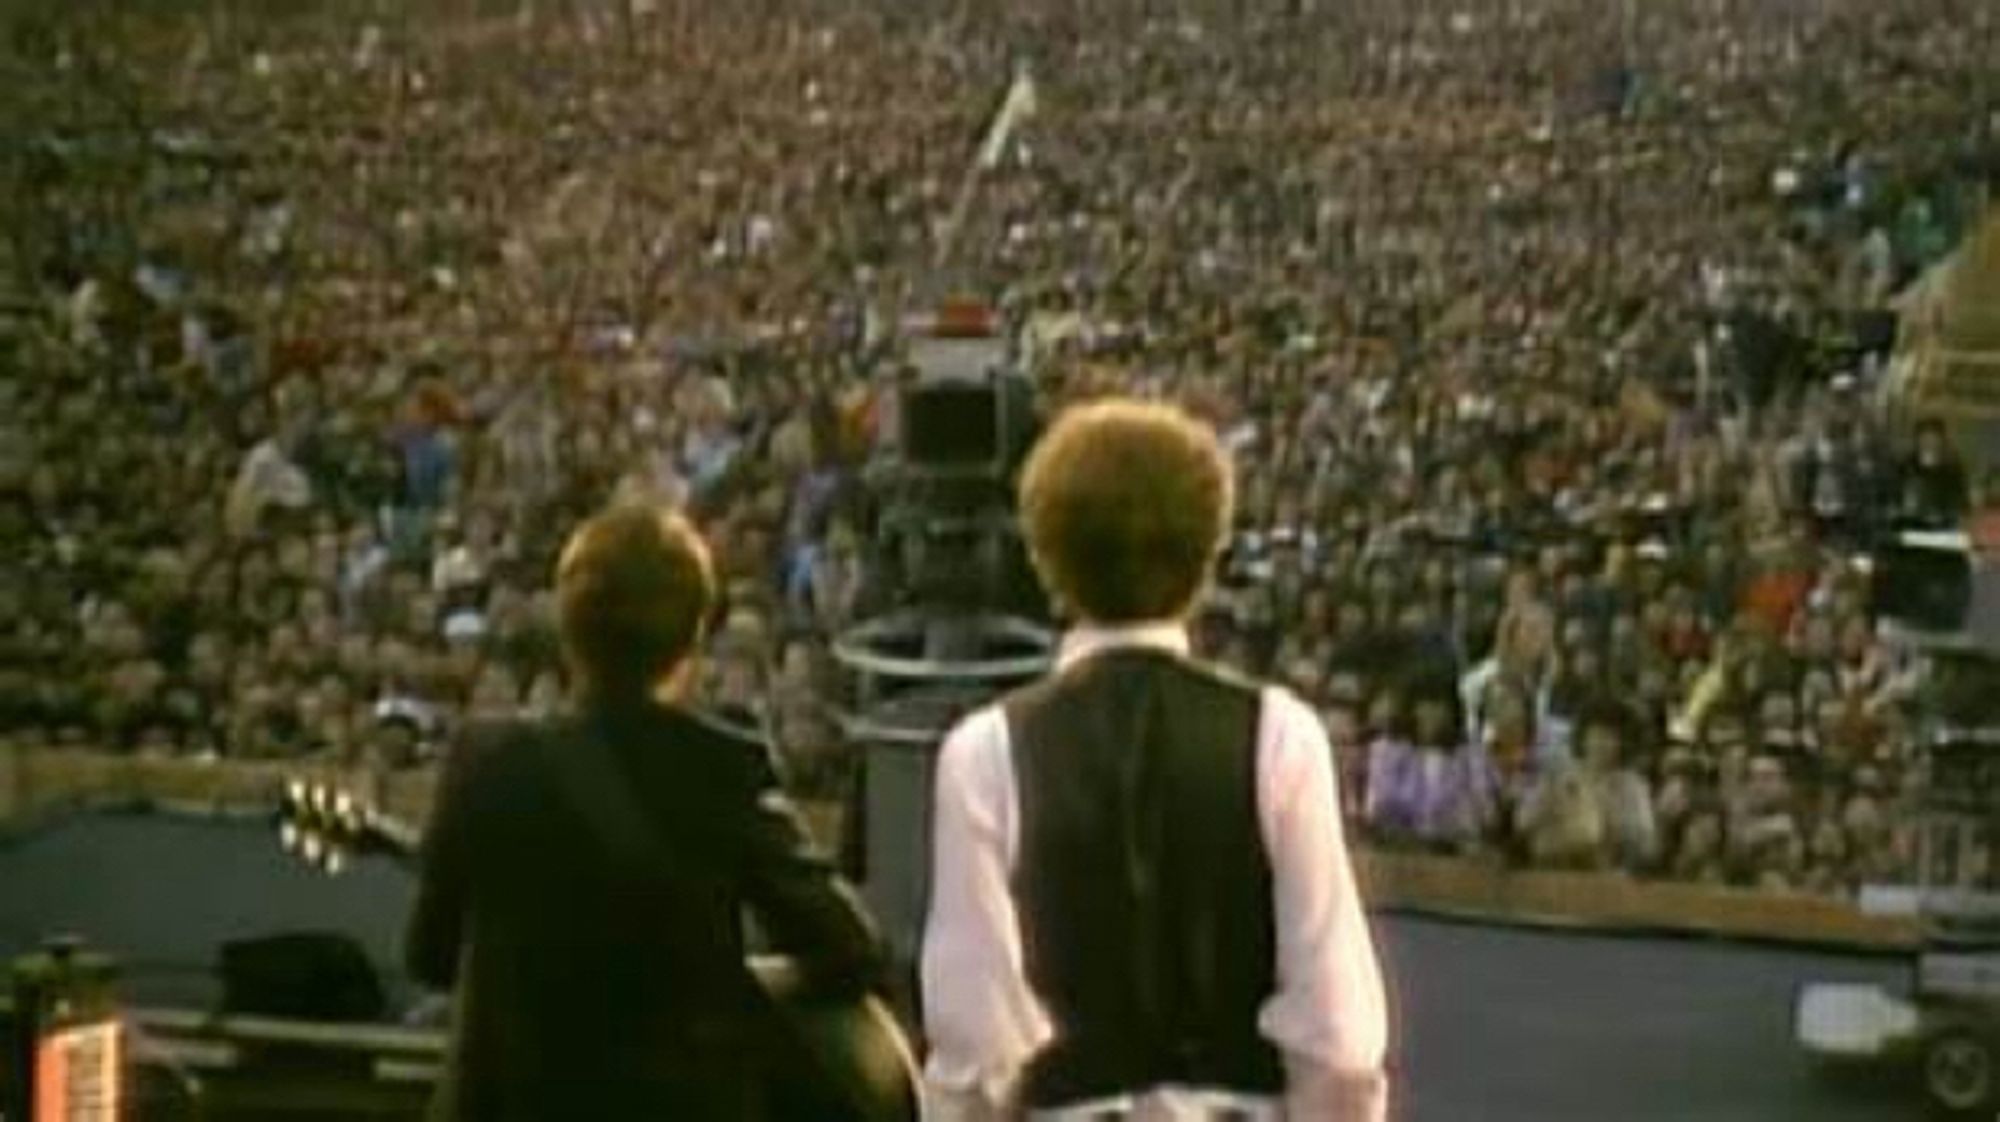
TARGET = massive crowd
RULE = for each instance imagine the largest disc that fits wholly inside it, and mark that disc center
(1547, 333)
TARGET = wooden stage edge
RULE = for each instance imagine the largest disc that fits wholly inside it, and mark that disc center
(36, 782)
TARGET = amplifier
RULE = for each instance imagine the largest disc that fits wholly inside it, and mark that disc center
(68, 1038)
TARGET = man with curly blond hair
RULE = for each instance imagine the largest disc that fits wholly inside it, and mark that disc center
(1142, 906)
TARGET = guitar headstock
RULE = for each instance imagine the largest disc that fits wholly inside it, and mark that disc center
(326, 825)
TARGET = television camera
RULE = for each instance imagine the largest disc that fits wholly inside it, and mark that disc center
(956, 616)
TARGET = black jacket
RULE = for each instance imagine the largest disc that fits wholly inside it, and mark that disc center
(587, 987)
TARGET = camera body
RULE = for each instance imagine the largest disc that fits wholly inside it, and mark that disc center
(947, 540)
(958, 618)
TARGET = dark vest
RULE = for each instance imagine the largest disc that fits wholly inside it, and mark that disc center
(1142, 883)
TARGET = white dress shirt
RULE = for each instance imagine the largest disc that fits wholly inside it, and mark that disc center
(1328, 1017)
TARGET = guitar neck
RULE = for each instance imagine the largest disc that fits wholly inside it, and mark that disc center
(323, 822)
(396, 839)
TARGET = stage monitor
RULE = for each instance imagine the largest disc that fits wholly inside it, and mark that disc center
(306, 975)
(1924, 581)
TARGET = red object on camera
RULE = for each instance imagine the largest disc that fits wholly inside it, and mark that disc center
(1982, 527)
(961, 317)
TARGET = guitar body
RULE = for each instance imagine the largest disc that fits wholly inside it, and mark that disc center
(843, 1060)
(848, 1062)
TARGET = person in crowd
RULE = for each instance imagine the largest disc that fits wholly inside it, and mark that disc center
(1698, 854)
(1933, 490)
(1766, 844)
(1134, 812)
(1344, 696)
(1561, 819)
(1606, 750)
(1427, 786)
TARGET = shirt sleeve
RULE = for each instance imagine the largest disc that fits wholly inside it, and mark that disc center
(982, 1020)
(1329, 1016)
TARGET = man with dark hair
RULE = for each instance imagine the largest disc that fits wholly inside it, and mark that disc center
(1932, 485)
(596, 978)
(1142, 905)
(1597, 785)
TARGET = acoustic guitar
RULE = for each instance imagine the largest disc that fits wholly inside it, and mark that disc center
(842, 1060)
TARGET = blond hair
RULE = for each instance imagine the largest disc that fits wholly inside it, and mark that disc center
(1125, 505)
(634, 587)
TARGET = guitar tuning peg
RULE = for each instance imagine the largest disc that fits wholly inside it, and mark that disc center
(336, 862)
(288, 836)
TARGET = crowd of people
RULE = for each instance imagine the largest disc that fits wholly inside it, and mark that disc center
(1547, 335)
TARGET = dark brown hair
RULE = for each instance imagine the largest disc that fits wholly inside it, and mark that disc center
(633, 590)
(1125, 505)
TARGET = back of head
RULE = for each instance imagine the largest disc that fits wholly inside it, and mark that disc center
(633, 591)
(1125, 505)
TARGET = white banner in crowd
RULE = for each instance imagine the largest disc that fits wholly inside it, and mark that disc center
(1019, 105)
